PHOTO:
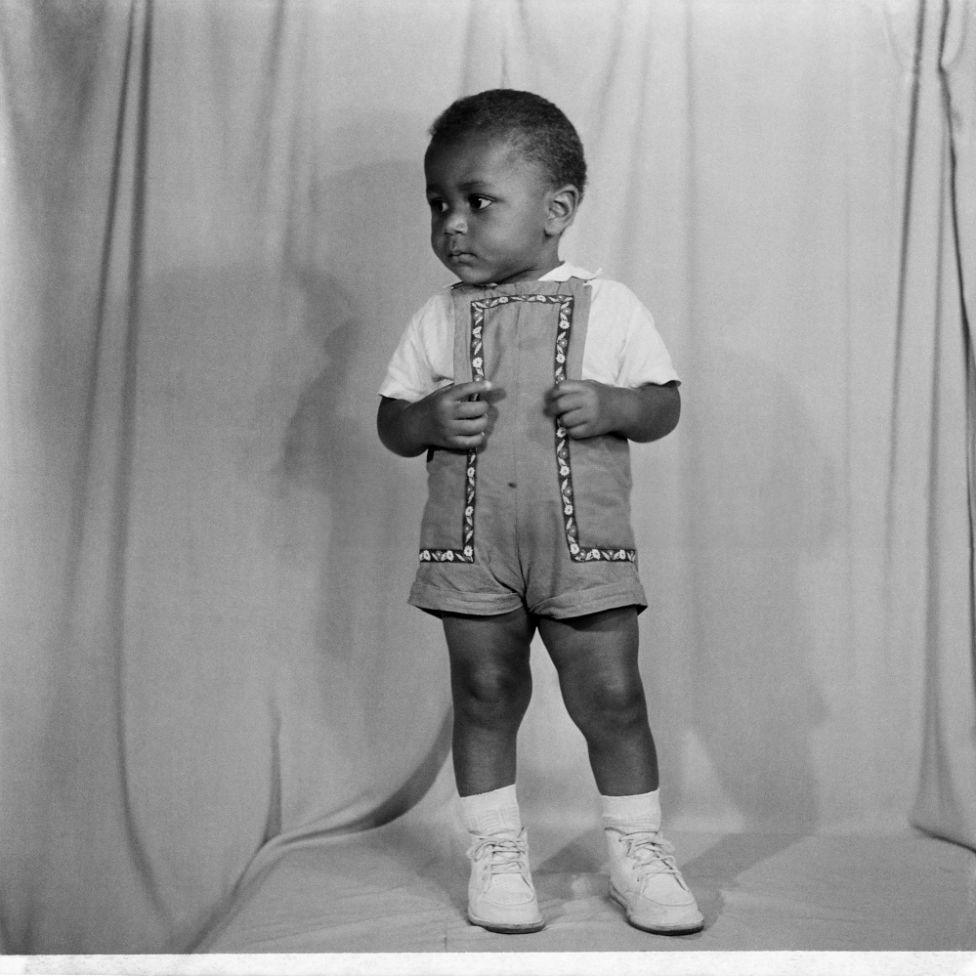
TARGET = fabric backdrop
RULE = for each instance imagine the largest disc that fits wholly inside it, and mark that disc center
(213, 232)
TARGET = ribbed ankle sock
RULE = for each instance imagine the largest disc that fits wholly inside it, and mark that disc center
(638, 812)
(489, 813)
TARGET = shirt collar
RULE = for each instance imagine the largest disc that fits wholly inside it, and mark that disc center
(562, 272)
(565, 271)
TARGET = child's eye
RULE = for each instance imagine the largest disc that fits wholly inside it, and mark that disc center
(479, 203)
(437, 206)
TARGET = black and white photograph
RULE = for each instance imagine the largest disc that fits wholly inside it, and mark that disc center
(488, 487)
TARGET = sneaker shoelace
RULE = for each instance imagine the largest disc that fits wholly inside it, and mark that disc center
(652, 854)
(506, 855)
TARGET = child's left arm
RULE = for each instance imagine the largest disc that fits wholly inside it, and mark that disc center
(587, 409)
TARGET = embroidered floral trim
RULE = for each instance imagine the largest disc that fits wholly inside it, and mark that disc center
(577, 552)
(466, 553)
(476, 349)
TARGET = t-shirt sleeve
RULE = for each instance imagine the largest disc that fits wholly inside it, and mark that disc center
(423, 360)
(645, 357)
(629, 351)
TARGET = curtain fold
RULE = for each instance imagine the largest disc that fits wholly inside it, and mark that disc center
(946, 253)
(214, 234)
(77, 384)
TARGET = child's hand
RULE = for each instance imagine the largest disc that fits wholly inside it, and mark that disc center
(449, 418)
(585, 408)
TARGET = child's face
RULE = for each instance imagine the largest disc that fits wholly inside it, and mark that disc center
(491, 212)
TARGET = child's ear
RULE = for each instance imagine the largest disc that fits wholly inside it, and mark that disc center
(561, 210)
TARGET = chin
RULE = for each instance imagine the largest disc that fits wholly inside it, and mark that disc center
(471, 277)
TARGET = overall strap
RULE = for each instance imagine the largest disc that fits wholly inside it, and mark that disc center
(472, 307)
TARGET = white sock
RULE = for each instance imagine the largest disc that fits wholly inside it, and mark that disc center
(630, 814)
(489, 813)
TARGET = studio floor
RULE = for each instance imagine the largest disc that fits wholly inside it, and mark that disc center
(401, 888)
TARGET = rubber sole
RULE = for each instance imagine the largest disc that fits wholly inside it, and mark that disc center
(687, 929)
(525, 929)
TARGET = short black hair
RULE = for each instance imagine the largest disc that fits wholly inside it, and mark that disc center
(534, 125)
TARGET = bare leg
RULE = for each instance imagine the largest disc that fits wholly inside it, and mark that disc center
(491, 684)
(596, 659)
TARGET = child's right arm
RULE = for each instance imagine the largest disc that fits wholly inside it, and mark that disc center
(447, 418)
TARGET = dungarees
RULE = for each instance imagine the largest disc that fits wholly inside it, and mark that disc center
(532, 518)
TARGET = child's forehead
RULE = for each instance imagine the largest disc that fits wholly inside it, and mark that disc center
(475, 149)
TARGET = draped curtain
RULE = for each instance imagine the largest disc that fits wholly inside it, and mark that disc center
(213, 233)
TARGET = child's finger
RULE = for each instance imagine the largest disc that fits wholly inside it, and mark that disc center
(553, 398)
(469, 428)
(563, 401)
(463, 391)
(564, 389)
(572, 419)
(466, 409)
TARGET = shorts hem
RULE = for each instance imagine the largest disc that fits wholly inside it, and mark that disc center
(433, 599)
(569, 605)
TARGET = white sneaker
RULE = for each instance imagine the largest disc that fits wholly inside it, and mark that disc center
(501, 897)
(646, 883)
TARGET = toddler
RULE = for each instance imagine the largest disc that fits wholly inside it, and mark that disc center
(523, 383)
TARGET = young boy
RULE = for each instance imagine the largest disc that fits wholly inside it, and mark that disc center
(523, 384)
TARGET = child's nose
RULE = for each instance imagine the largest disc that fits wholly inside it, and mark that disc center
(454, 223)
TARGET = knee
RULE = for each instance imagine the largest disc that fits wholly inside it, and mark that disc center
(492, 692)
(612, 706)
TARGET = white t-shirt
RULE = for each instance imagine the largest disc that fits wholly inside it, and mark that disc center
(623, 346)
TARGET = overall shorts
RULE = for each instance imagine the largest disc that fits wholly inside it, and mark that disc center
(532, 518)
